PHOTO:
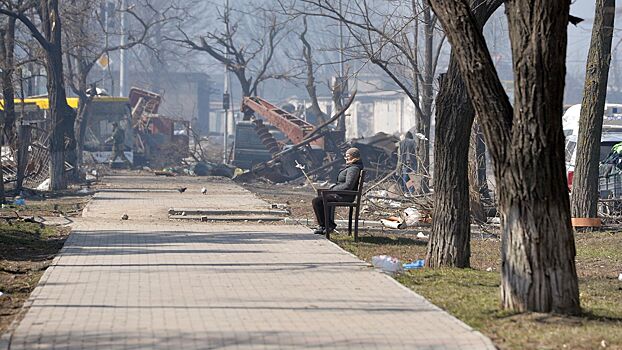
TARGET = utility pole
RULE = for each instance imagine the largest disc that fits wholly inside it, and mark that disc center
(122, 68)
(225, 99)
(225, 106)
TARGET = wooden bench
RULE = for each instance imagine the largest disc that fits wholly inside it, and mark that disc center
(355, 204)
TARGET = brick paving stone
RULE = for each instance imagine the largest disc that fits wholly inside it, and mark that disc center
(152, 283)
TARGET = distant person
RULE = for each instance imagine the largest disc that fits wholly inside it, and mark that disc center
(118, 145)
(347, 180)
(406, 159)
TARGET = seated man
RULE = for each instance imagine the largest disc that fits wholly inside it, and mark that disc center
(347, 180)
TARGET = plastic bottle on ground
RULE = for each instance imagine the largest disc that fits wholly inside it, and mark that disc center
(387, 263)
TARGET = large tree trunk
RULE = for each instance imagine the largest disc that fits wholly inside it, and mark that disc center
(449, 243)
(538, 241)
(585, 181)
(527, 147)
(60, 113)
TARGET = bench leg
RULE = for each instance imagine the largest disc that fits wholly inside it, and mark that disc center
(326, 210)
(356, 225)
(350, 222)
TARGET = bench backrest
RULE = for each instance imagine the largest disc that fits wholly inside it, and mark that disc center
(360, 187)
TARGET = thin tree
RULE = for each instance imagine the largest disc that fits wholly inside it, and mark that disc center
(526, 143)
(585, 182)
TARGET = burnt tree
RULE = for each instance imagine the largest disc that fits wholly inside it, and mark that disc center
(526, 144)
(450, 238)
(585, 182)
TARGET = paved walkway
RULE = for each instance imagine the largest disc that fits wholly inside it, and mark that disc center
(150, 283)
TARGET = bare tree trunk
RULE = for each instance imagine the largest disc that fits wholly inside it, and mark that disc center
(425, 119)
(477, 209)
(585, 181)
(449, 243)
(60, 113)
(24, 135)
(308, 58)
(480, 153)
(527, 146)
(7, 59)
(84, 105)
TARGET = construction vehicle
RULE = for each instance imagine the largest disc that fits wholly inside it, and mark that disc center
(283, 143)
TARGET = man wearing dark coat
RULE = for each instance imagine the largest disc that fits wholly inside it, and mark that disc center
(347, 180)
(118, 145)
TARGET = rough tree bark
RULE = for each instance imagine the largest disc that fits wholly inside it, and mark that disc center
(61, 115)
(585, 181)
(527, 147)
(449, 243)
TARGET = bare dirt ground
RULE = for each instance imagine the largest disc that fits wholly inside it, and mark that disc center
(28, 248)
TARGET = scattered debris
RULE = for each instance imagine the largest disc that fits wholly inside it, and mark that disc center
(387, 264)
(489, 269)
(417, 264)
(164, 173)
(182, 189)
(45, 185)
(620, 277)
(412, 216)
(125, 217)
(422, 235)
(204, 190)
(393, 222)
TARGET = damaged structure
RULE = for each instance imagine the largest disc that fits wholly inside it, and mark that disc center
(275, 143)
(151, 139)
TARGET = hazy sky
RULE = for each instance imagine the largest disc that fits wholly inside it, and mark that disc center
(579, 36)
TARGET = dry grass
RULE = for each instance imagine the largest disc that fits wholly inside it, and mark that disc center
(472, 295)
